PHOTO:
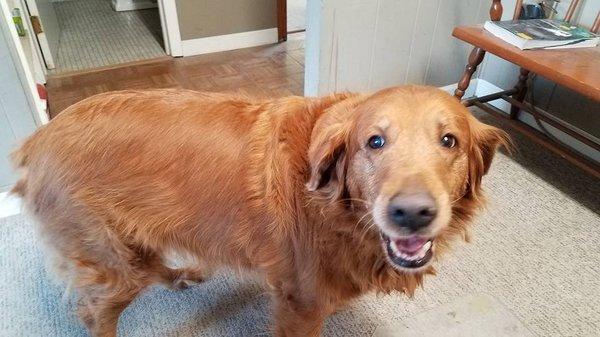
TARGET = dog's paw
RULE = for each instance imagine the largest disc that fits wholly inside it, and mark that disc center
(187, 277)
(179, 285)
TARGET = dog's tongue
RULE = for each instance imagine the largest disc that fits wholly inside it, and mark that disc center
(411, 244)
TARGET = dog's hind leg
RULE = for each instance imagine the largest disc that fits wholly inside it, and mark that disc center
(106, 275)
(103, 295)
(101, 313)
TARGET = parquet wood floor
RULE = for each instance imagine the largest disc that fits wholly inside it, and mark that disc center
(267, 71)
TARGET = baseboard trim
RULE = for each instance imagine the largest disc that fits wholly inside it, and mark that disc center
(485, 88)
(133, 5)
(219, 43)
(471, 90)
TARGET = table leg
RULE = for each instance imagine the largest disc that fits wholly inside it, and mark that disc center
(475, 58)
(521, 87)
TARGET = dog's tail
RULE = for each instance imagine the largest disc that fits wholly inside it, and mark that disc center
(20, 188)
(21, 159)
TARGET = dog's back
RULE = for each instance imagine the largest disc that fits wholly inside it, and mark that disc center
(143, 164)
(121, 180)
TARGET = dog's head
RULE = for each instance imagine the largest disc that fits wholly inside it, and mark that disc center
(409, 159)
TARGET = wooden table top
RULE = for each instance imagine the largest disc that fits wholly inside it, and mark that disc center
(577, 69)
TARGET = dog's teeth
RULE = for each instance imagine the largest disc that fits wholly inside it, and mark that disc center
(417, 256)
(423, 251)
(426, 246)
(394, 248)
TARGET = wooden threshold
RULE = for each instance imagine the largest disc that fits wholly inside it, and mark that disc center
(111, 66)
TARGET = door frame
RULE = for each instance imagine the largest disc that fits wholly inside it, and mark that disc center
(169, 20)
(169, 23)
(171, 34)
(42, 40)
(37, 63)
(282, 20)
(38, 106)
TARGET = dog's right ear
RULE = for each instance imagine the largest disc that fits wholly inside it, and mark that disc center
(329, 147)
(328, 151)
(327, 157)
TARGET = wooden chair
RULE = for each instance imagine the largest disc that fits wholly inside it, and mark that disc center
(576, 69)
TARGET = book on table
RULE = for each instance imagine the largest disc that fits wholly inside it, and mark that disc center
(542, 33)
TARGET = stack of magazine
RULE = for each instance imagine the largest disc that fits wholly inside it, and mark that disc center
(542, 33)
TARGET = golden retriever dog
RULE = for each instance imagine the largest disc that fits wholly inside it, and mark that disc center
(325, 198)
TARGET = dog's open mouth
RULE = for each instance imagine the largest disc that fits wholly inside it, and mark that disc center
(408, 252)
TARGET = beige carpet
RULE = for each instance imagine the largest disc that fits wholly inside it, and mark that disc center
(535, 251)
(470, 316)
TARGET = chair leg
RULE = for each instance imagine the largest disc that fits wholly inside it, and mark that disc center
(521, 87)
(475, 59)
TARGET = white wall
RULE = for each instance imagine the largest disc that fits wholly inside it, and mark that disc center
(365, 45)
(16, 113)
(312, 47)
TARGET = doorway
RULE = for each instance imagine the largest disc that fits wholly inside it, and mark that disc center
(291, 17)
(81, 35)
(296, 16)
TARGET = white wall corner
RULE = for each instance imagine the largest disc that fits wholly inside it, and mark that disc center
(220, 43)
(312, 49)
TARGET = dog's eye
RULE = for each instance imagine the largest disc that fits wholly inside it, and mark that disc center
(448, 141)
(376, 142)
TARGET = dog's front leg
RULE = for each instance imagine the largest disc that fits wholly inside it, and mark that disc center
(299, 317)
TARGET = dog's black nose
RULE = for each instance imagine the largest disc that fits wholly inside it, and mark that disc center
(412, 211)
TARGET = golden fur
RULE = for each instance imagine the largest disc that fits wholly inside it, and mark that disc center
(284, 187)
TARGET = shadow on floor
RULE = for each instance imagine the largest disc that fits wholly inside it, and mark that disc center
(568, 178)
(151, 19)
